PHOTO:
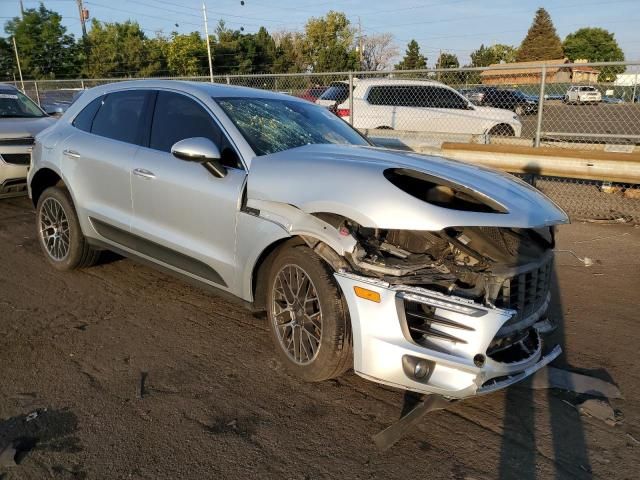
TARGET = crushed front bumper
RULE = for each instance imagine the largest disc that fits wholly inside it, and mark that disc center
(455, 349)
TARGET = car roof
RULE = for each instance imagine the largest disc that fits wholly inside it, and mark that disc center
(366, 82)
(216, 90)
(7, 87)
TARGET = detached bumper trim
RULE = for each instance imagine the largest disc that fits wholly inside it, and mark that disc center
(544, 361)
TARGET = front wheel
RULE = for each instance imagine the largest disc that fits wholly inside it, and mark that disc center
(308, 317)
(61, 238)
(502, 130)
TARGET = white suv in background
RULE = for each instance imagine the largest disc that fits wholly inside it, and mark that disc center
(583, 94)
(416, 106)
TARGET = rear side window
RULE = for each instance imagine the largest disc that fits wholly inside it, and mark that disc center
(121, 116)
(397, 96)
(84, 119)
(415, 96)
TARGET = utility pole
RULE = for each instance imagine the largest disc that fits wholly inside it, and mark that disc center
(21, 10)
(438, 65)
(360, 45)
(83, 18)
(15, 48)
(206, 34)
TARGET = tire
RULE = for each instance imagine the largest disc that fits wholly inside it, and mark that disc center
(502, 130)
(332, 355)
(64, 249)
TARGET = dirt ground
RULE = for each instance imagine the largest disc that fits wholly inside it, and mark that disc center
(74, 349)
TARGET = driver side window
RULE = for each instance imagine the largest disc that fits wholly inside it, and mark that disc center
(177, 117)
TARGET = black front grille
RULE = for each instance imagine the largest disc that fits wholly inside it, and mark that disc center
(17, 141)
(514, 348)
(422, 324)
(17, 158)
(526, 292)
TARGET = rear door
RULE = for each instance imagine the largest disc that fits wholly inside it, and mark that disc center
(99, 154)
(184, 216)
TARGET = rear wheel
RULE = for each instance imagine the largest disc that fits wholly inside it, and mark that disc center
(308, 317)
(59, 233)
(502, 130)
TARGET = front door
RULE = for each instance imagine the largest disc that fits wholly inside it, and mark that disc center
(184, 216)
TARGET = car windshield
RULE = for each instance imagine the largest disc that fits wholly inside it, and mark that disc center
(14, 104)
(274, 125)
(338, 92)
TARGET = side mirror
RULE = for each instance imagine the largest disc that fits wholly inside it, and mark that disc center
(200, 150)
(54, 111)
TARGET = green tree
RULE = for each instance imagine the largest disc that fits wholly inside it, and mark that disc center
(329, 43)
(7, 60)
(448, 60)
(119, 50)
(186, 54)
(595, 45)
(46, 49)
(413, 59)
(499, 53)
(542, 41)
(289, 55)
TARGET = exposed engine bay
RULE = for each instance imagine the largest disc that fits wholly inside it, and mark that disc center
(470, 262)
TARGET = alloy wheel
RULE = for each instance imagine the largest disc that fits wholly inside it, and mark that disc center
(296, 314)
(54, 229)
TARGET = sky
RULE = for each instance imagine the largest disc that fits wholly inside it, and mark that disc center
(454, 26)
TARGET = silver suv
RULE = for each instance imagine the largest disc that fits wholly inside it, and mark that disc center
(20, 120)
(423, 273)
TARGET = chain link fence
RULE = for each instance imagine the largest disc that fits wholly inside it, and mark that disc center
(577, 106)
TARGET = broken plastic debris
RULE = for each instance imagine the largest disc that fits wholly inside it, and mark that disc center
(33, 415)
(390, 435)
(545, 326)
(573, 382)
(586, 261)
(598, 409)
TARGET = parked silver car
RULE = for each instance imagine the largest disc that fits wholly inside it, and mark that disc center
(20, 120)
(423, 273)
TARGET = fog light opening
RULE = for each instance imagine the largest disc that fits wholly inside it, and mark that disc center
(418, 369)
(421, 369)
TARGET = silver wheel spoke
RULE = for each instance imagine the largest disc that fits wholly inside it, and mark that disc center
(296, 314)
(54, 229)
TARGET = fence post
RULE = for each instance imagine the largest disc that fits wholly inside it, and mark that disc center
(351, 98)
(543, 79)
(228, 80)
(35, 86)
(82, 83)
(635, 86)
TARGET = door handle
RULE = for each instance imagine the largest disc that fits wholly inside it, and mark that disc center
(141, 172)
(71, 154)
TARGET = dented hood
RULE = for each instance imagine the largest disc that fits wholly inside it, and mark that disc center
(349, 181)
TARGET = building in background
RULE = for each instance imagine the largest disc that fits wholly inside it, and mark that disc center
(529, 73)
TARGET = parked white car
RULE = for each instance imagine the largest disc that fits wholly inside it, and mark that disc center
(20, 120)
(417, 106)
(582, 94)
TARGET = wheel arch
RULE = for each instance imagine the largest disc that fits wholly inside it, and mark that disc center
(265, 259)
(43, 179)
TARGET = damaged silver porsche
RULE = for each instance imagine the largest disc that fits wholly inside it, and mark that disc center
(421, 273)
